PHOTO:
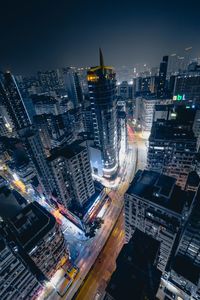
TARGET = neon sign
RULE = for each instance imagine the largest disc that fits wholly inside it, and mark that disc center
(179, 97)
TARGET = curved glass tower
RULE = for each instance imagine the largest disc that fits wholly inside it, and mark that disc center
(102, 91)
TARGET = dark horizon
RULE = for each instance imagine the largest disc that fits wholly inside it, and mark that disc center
(46, 34)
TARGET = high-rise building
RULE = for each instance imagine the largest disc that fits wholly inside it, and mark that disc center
(23, 166)
(11, 99)
(189, 245)
(40, 236)
(183, 277)
(136, 275)
(172, 149)
(125, 90)
(72, 179)
(196, 127)
(73, 87)
(187, 87)
(87, 119)
(34, 148)
(147, 106)
(142, 86)
(161, 82)
(102, 92)
(50, 81)
(17, 281)
(52, 120)
(155, 205)
(43, 124)
(45, 105)
(76, 120)
(34, 231)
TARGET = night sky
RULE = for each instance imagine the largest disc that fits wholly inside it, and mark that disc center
(43, 34)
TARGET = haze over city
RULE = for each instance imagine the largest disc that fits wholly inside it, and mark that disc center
(38, 35)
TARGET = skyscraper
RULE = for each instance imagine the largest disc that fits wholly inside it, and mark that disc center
(71, 172)
(102, 93)
(12, 100)
(34, 148)
(146, 114)
(17, 282)
(161, 83)
(187, 87)
(172, 148)
(136, 275)
(39, 235)
(34, 231)
(73, 87)
(155, 205)
(183, 276)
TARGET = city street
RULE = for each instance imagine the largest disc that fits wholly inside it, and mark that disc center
(90, 249)
(96, 281)
(84, 252)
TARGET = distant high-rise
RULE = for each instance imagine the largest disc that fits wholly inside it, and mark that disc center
(73, 87)
(146, 114)
(142, 86)
(125, 90)
(50, 81)
(161, 83)
(102, 93)
(12, 100)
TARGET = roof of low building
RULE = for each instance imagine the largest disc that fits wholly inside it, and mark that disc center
(31, 225)
(68, 151)
(159, 189)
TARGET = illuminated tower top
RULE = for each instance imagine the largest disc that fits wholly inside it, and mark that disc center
(101, 72)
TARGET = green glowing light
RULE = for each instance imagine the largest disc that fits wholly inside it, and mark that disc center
(179, 97)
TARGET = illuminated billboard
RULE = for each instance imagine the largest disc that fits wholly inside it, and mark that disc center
(179, 97)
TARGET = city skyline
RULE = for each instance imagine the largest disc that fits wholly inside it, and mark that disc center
(45, 35)
(99, 166)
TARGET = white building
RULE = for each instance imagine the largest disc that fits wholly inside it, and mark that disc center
(147, 112)
(71, 173)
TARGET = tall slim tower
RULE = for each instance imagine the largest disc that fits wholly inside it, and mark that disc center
(161, 88)
(102, 92)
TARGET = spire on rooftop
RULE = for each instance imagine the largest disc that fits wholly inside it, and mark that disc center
(101, 58)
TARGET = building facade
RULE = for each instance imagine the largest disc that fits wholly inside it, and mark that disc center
(13, 102)
(71, 171)
(40, 236)
(17, 281)
(172, 149)
(146, 113)
(102, 93)
(155, 205)
(187, 87)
